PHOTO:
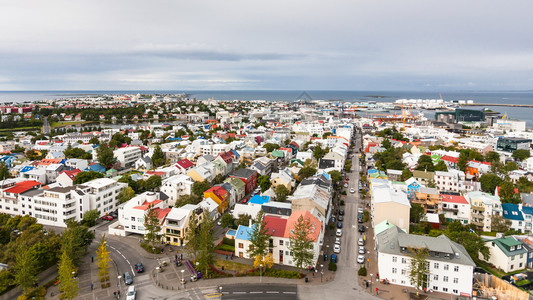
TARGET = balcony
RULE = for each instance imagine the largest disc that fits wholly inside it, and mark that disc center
(450, 209)
(478, 223)
(479, 208)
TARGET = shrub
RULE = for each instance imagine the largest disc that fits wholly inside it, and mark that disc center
(149, 248)
(362, 271)
(332, 266)
(366, 216)
(227, 241)
(331, 226)
(343, 193)
(342, 202)
(226, 247)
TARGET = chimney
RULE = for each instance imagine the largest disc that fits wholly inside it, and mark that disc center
(250, 222)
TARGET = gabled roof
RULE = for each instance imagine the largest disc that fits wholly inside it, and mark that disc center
(512, 212)
(71, 173)
(275, 226)
(243, 173)
(450, 159)
(146, 204)
(453, 199)
(185, 164)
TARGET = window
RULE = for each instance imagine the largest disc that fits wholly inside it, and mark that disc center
(404, 261)
(445, 279)
(132, 226)
(444, 289)
(241, 245)
(394, 259)
(435, 288)
(394, 270)
(435, 277)
(436, 265)
(456, 280)
(446, 267)
(512, 267)
(456, 268)
(133, 219)
(404, 271)
(281, 242)
(455, 291)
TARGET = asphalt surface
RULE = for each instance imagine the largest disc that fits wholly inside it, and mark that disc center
(259, 291)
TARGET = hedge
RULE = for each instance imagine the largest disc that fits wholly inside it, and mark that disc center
(225, 247)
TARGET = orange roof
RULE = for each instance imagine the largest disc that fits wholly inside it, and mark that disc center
(23, 186)
(146, 204)
(316, 225)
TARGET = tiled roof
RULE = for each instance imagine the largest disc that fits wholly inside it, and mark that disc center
(453, 199)
(316, 225)
(185, 163)
(71, 173)
(275, 225)
(23, 186)
(146, 204)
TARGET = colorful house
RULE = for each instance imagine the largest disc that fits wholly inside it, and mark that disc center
(220, 196)
(249, 177)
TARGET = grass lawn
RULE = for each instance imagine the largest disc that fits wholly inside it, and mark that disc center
(30, 128)
(66, 123)
(229, 265)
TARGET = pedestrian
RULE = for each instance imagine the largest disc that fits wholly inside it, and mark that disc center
(226, 257)
(119, 293)
(92, 258)
(176, 257)
(313, 275)
(92, 286)
(181, 255)
(115, 294)
(377, 291)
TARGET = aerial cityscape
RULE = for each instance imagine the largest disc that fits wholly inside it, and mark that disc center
(240, 150)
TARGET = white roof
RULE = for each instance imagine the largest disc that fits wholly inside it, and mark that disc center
(386, 193)
(177, 213)
(99, 182)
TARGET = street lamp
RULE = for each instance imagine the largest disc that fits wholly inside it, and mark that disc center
(119, 282)
(260, 273)
(182, 278)
(371, 282)
(321, 272)
(157, 276)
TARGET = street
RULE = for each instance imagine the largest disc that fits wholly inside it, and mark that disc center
(259, 291)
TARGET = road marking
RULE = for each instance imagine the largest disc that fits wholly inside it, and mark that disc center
(272, 292)
(289, 293)
(256, 292)
(131, 267)
(239, 292)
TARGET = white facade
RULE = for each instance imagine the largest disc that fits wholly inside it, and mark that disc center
(103, 194)
(127, 156)
(77, 163)
(131, 214)
(176, 186)
(447, 181)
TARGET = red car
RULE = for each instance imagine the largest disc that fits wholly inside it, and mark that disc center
(107, 218)
(245, 200)
(347, 178)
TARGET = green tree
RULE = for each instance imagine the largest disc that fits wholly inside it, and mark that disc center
(425, 163)
(126, 194)
(386, 144)
(281, 192)
(441, 166)
(264, 182)
(521, 154)
(507, 193)
(4, 171)
(492, 157)
(348, 165)
(68, 286)
(86, 176)
(199, 187)
(301, 242)
(152, 183)
(406, 174)
(472, 242)
(94, 140)
(25, 268)
(499, 223)
(90, 217)
(326, 134)
(243, 219)
(306, 172)
(191, 237)
(489, 182)
(218, 179)
(417, 213)
(418, 271)
(77, 153)
(158, 158)
(105, 156)
(271, 147)
(187, 199)
(508, 167)
(103, 258)
(206, 241)
(227, 220)
(75, 240)
(259, 237)
(152, 226)
(318, 152)
(336, 177)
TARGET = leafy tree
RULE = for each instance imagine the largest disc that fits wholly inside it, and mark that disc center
(243, 219)
(348, 165)
(193, 243)
(418, 272)
(259, 237)
(158, 158)
(301, 242)
(126, 194)
(318, 152)
(406, 174)
(105, 156)
(508, 167)
(218, 179)
(417, 213)
(386, 144)
(77, 153)
(86, 176)
(264, 182)
(68, 286)
(489, 182)
(4, 171)
(472, 242)
(94, 140)
(75, 240)
(199, 187)
(499, 223)
(90, 216)
(271, 147)
(206, 241)
(441, 166)
(306, 172)
(336, 177)
(281, 192)
(152, 225)
(492, 157)
(521, 154)
(425, 163)
(395, 164)
(25, 268)
(227, 220)
(507, 193)
(187, 199)
(152, 183)
(466, 155)
(524, 185)
(103, 258)
(135, 185)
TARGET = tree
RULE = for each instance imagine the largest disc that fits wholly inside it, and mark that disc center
(508, 167)
(264, 182)
(271, 147)
(489, 182)
(508, 194)
(336, 177)
(227, 220)
(105, 156)
(218, 179)
(492, 157)
(417, 213)
(386, 144)
(77, 153)
(152, 225)
(281, 192)
(86, 176)
(348, 165)
(318, 152)
(472, 242)
(306, 172)
(187, 199)
(206, 238)
(68, 286)
(152, 183)
(499, 223)
(126, 194)
(158, 158)
(425, 163)
(4, 171)
(90, 217)
(301, 242)
(25, 268)
(243, 219)
(406, 174)
(94, 140)
(441, 166)
(521, 154)
(199, 187)
(103, 258)
(259, 237)
(193, 246)
(418, 271)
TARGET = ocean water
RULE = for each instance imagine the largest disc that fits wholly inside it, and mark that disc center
(489, 97)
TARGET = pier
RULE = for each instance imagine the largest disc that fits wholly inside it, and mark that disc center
(498, 104)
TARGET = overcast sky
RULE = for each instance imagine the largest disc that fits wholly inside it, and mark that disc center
(287, 44)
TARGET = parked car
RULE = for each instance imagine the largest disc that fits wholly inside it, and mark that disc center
(139, 267)
(127, 278)
(339, 224)
(361, 241)
(325, 257)
(362, 250)
(333, 219)
(130, 295)
(337, 241)
(341, 212)
(361, 259)
(114, 214)
(341, 218)
(334, 258)
(245, 200)
(360, 210)
(336, 248)
(347, 178)
(352, 190)
(346, 184)
(361, 228)
(107, 218)
(339, 232)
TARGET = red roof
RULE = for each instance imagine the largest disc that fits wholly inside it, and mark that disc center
(151, 173)
(450, 159)
(316, 225)
(219, 191)
(275, 225)
(454, 199)
(146, 204)
(23, 186)
(227, 156)
(185, 163)
(71, 173)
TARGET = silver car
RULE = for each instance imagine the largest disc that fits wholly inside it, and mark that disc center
(361, 241)
(362, 250)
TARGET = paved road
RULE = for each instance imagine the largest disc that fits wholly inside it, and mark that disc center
(259, 291)
(46, 126)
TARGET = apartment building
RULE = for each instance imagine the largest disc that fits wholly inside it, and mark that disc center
(103, 194)
(127, 156)
(176, 186)
(389, 203)
(456, 207)
(484, 206)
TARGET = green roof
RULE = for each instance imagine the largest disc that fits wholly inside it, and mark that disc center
(278, 153)
(506, 243)
(379, 228)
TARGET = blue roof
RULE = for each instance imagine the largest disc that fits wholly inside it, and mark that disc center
(259, 199)
(243, 233)
(527, 210)
(236, 154)
(26, 169)
(511, 212)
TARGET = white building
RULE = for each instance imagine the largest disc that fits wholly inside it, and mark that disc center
(127, 156)
(103, 193)
(447, 181)
(456, 208)
(450, 267)
(507, 254)
(77, 163)
(484, 206)
(176, 186)
(132, 213)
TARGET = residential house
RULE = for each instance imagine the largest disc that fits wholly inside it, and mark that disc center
(447, 181)
(389, 203)
(176, 186)
(144, 163)
(77, 163)
(332, 161)
(176, 223)
(203, 173)
(218, 194)
(424, 178)
(248, 176)
(519, 216)
(507, 254)
(412, 187)
(132, 214)
(429, 199)
(66, 178)
(484, 206)
(456, 207)
(239, 186)
(127, 156)
(184, 166)
(283, 177)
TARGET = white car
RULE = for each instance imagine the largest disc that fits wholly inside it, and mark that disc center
(361, 241)
(361, 259)
(130, 295)
(337, 241)
(339, 232)
(336, 248)
(352, 190)
(360, 210)
(362, 250)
